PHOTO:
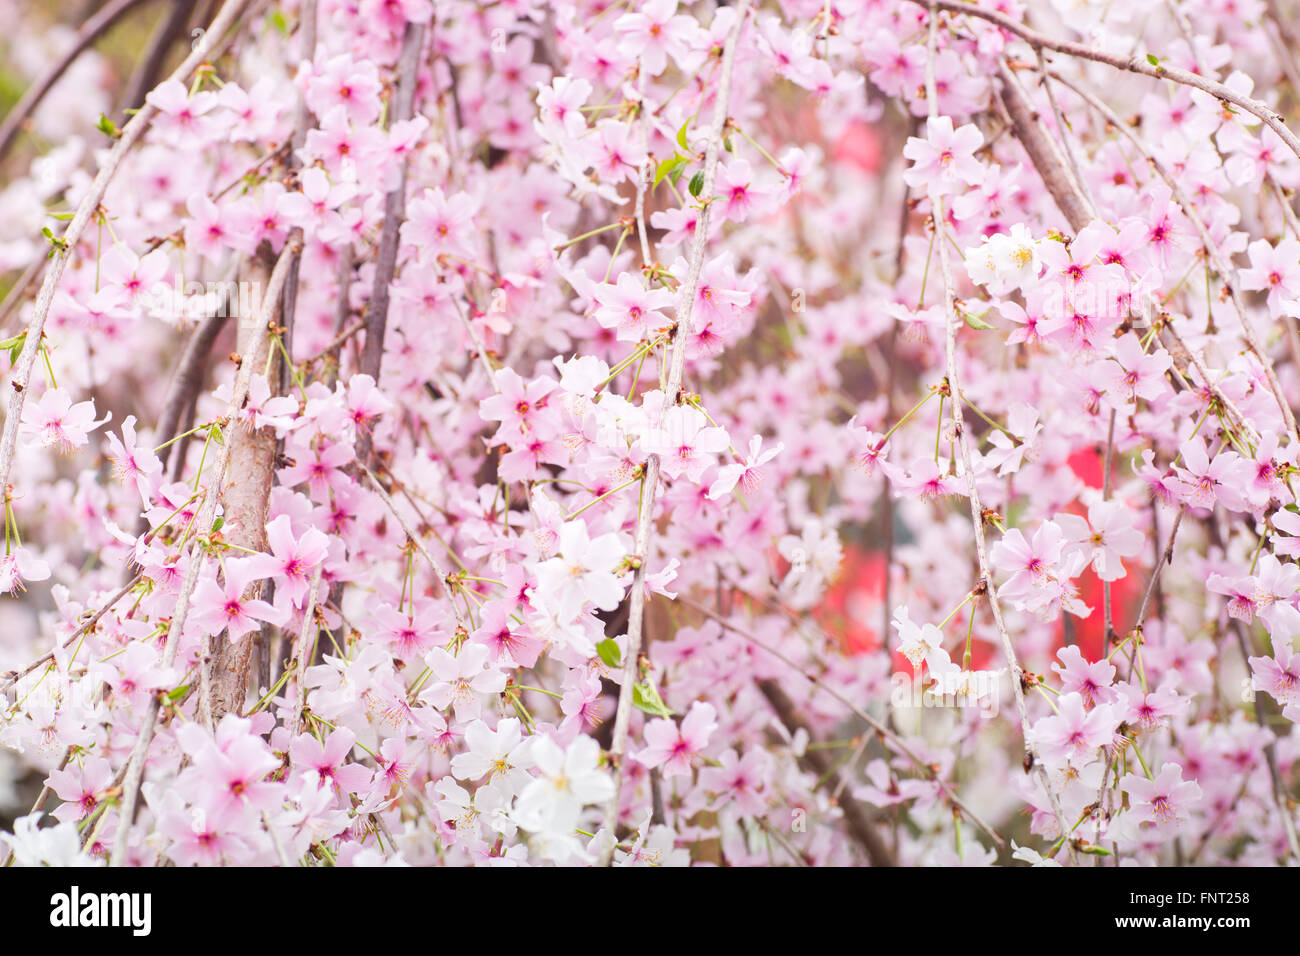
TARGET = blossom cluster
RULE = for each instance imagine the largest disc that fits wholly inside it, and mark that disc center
(630, 391)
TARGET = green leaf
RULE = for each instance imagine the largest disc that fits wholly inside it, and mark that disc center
(1153, 59)
(14, 345)
(681, 136)
(697, 184)
(63, 216)
(214, 430)
(218, 523)
(178, 693)
(668, 167)
(608, 651)
(646, 698)
(106, 126)
(975, 322)
(1095, 850)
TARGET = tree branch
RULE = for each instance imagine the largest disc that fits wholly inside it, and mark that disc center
(650, 481)
(88, 208)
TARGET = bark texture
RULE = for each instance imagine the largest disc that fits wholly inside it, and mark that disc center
(247, 493)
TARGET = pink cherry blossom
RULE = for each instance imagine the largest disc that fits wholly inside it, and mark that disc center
(55, 421)
(223, 606)
(944, 159)
(672, 746)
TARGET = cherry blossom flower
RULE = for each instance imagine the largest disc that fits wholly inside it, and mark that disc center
(218, 607)
(568, 779)
(746, 474)
(1275, 269)
(1279, 675)
(1004, 261)
(292, 559)
(19, 566)
(631, 308)
(32, 845)
(327, 761)
(81, 788)
(501, 754)
(653, 33)
(54, 421)
(1091, 680)
(1202, 483)
(1106, 537)
(916, 642)
(671, 746)
(133, 464)
(461, 681)
(1073, 734)
(685, 442)
(944, 159)
(1164, 801)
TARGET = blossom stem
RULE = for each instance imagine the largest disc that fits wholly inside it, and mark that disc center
(618, 247)
(970, 633)
(198, 475)
(990, 421)
(270, 694)
(49, 369)
(908, 414)
(953, 613)
(925, 273)
(938, 429)
(766, 155)
(1138, 753)
(596, 501)
(176, 438)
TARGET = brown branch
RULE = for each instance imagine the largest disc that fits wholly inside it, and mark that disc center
(252, 469)
(170, 28)
(90, 208)
(372, 356)
(14, 677)
(972, 490)
(1042, 152)
(133, 771)
(90, 31)
(1131, 64)
(819, 762)
(650, 480)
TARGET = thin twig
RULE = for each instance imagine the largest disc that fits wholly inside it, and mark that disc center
(401, 108)
(972, 489)
(887, 735)
(90, 31)
(15, 677)
(134, 769)
(650, 482)
(1132, 64)
(1214, 256)
(86, 210)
